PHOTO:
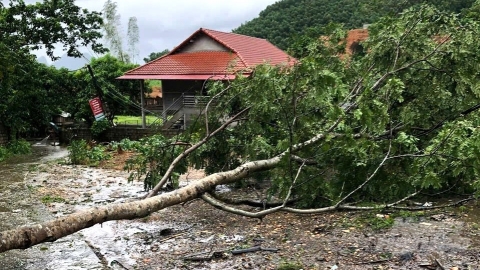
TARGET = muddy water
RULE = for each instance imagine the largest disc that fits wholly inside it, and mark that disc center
(24, 182)
(19, 206)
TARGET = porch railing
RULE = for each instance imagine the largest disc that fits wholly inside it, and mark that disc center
(176, 106)
(176, 111)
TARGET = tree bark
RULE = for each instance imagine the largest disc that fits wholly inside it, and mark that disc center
(28, 236)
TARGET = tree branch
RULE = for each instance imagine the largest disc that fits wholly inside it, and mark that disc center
(185, 153)
(49, 231)
(220, 205)
(368, 178)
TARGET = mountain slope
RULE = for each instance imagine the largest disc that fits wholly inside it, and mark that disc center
(282, 21)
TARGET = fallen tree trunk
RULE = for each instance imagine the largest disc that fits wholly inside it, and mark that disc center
(28, 236)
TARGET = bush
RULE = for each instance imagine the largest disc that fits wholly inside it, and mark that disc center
(80, 153)
(126, 144)
(3, 153)
(99, 127)
(19, 147)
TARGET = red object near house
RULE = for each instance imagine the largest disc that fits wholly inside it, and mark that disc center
(97, 109)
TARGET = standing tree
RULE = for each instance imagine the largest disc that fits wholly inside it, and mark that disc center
(111, 25)
(112, 28)
(118, 94)
(154, 55)
(330, 131)
(133, 37)
(25, 91)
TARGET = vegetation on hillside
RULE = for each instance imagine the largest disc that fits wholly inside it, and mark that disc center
(281, 23)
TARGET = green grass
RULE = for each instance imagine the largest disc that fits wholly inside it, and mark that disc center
(152, 83)
(136, 120)
(52, 199)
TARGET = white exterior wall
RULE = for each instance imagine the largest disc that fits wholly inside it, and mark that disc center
(204, 43)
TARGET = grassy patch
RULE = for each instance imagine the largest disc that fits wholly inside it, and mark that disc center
(372, 220)
(136, 120)
(289, 265)
(411, 215)
(52, 199)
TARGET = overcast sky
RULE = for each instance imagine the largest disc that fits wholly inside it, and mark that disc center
(165, 24)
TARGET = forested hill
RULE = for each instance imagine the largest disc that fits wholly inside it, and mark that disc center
(282, 21)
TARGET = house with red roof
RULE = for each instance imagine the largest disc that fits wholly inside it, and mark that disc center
(205, 55)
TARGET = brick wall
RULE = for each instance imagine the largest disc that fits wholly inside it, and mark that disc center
(115, 133)
(3, 135)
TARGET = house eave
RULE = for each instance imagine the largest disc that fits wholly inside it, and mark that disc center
(181, 77)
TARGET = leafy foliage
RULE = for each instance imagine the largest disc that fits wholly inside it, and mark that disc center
(401, 118)
(17, 147)
(154, 55)
(82, 153)
(31, 92)
(99, 127)
(45, 24)
(154, 156)
(117, 94)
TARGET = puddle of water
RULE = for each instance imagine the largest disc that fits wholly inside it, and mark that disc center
(119, 240)
(16, 195)
(43, 142)
(222, 189)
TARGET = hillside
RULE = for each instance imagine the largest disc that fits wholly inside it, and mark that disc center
(281, 22)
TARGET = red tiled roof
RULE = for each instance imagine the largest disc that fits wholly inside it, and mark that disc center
(245, 53)
(253, 51)
(211, 62)
(355, 36)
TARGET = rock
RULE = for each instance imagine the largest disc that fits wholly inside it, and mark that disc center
(438, 217)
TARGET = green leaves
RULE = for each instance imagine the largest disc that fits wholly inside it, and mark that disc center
(30, 93)
(48, 23)
(154, 156)
(390, 122)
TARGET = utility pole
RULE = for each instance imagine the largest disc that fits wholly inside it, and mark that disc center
(142, 101)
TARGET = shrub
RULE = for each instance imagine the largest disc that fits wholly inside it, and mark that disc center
(19, 147)
(3, 153)
(99, 127)
(78, 152)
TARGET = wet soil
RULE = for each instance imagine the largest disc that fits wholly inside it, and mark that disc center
(197, 236)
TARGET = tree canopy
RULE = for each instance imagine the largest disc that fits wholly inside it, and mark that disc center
(402, 118)
(154, 55)
(118, 94)
(25, 91)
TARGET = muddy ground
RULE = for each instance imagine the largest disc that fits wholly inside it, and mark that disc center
(198, 236)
